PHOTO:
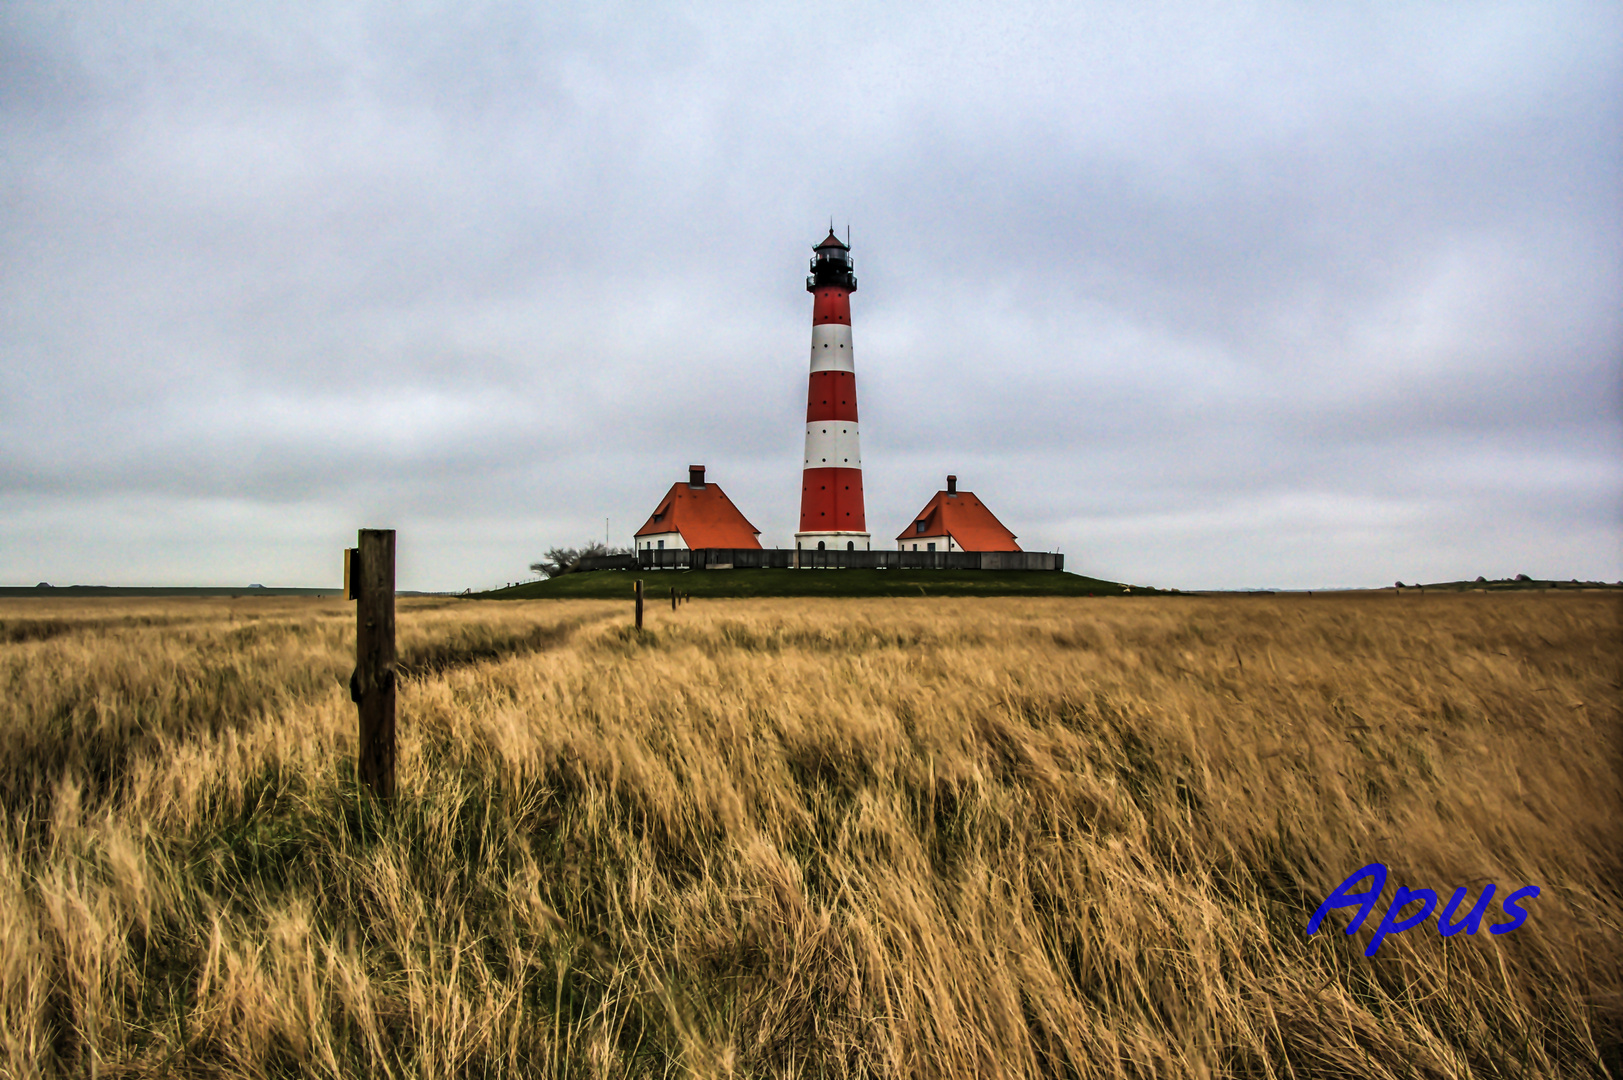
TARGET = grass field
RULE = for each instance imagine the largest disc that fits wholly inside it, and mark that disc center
(927, 837)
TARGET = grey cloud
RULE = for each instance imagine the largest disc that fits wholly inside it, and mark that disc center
(1259, 296)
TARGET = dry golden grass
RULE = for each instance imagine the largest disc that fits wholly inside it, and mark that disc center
(810, 838)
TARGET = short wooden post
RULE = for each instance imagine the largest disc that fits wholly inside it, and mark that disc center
(639, 603)
(369, 576)
(673, 597)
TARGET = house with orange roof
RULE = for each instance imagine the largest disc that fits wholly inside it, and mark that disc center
(955, 521)
(696, 515)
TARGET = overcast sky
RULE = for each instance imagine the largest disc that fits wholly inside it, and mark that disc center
(1205, 296)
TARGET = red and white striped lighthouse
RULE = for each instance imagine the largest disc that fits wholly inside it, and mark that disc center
(831, 514)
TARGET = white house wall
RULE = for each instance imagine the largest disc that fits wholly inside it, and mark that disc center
(942, 543)
(650, 542)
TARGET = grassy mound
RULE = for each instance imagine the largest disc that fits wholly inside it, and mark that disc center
(617, 584)
(1521, 584)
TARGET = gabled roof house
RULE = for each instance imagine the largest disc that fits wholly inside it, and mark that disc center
(955, 521)
(696, 515)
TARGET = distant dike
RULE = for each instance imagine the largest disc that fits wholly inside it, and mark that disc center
(61, 591)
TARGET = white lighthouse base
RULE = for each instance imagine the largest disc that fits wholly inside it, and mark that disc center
(834, 541)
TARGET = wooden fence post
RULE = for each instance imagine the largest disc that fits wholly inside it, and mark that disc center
(369, 577)
(673, 597)
(639, 603)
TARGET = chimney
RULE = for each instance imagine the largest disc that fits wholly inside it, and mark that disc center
(696, 476)
(952, 485)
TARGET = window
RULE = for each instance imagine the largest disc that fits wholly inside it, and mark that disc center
(662, 545)
(918, 526)
(932, 547)
(819, 545)
(850, 545)
(915, 547)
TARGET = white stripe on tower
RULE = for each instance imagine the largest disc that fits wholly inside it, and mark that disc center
(833, 445)
(831, 348)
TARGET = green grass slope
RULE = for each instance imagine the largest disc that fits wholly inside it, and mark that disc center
(1523, 584)
(617, 584)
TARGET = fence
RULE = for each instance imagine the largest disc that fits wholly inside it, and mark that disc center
(785, 559)
(607, 562)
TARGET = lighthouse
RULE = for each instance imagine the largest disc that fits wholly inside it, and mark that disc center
(831, 513)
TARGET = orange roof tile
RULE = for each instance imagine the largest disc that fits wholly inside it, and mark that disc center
(705, 517)
(964, 518)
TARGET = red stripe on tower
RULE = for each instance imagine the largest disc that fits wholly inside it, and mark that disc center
(831, 508)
